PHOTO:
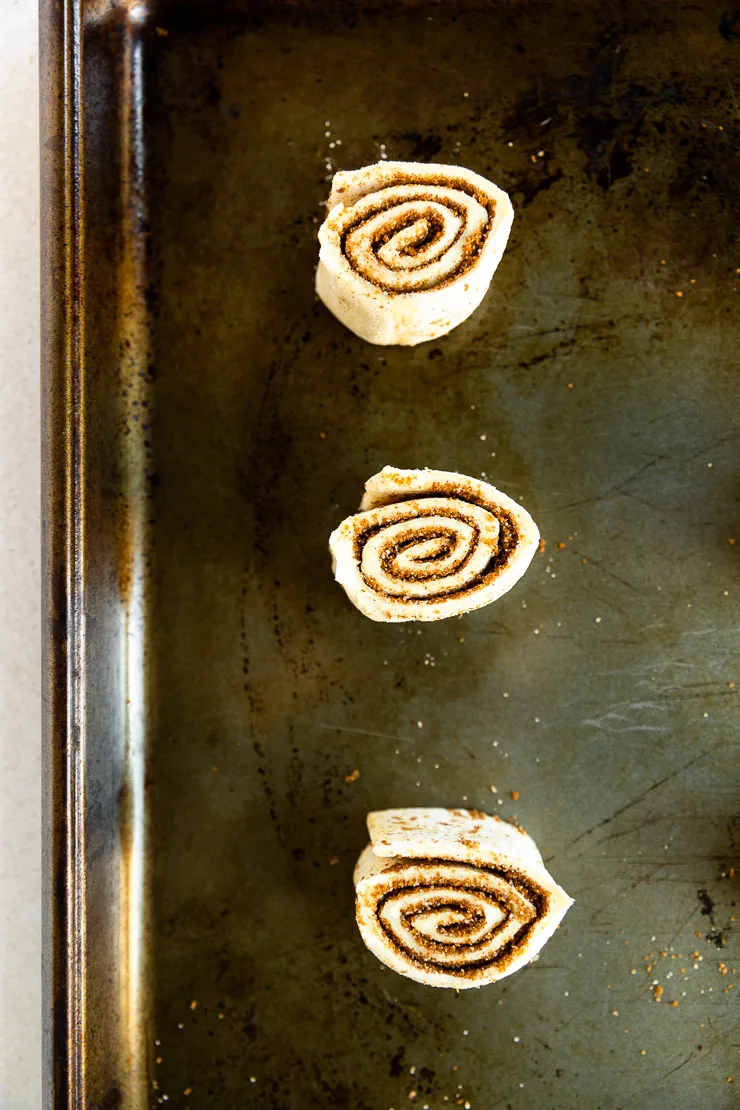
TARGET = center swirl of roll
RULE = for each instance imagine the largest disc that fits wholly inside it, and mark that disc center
(452, 915)
(428, 547)
(406, 238)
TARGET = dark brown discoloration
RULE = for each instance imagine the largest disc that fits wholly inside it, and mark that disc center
(113, 1100)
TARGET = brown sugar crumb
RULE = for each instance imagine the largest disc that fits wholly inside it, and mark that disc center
(643, 1052)
(561, 546)
(722, 968)
(679, 293)
(188, 1091)
(193, 1005)
(514, 795)
(731, 685)
(570, 385)
(584, 560)
(461, 639)
(158, 1060)
(542, 544)
(352, 776)
(333, 861)
(322, 435)
(674, 1003)
(657, 992)
(731, 541)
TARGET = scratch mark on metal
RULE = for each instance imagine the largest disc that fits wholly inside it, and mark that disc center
(597, 723)
(622, 581)
(640, 798)
(615, 488)
(711, 631)
(367, 732)
(691, 1056)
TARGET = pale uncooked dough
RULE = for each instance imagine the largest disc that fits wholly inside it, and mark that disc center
(429, 544)
(408, 249)
(453, 897)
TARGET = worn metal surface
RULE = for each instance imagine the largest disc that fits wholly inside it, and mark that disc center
(212, 685)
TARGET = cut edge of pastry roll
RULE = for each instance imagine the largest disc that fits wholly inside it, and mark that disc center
(429, 544)
(408, 249)
(454, 897)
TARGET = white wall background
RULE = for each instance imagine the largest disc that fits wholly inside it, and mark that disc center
(20, 716)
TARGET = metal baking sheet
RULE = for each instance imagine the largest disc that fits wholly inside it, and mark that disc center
(208, 423)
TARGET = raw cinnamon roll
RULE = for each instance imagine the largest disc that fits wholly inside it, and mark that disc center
(408, 249)
(453, 897)
(429, 544)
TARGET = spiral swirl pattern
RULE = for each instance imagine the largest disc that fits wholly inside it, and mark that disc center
(406, 238)
(453, 916)
(479, 909)
(408, 250)
(431, 544)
